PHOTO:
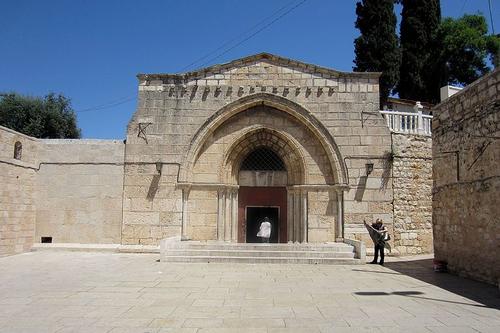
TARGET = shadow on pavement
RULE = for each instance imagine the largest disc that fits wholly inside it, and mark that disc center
(422, 270)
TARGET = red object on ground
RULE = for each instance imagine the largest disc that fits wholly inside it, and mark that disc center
(440, 266)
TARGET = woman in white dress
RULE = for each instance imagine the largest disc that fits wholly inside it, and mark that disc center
(265, 230)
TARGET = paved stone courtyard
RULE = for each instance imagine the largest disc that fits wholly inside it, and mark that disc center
(103, 292)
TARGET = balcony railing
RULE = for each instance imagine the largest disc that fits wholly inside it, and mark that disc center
(408, 122)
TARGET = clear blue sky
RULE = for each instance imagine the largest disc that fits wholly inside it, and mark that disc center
(91, 51)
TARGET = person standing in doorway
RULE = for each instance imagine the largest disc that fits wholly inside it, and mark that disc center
(265, 230)
(379, 235)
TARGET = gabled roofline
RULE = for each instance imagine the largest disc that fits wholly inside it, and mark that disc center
(184, 77)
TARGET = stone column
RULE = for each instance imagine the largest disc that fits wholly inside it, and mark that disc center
(304, 225)
(339, 237)
(296, 216)
(228, 215)
(234, 217)
(184, 226)
(290, 216)
(221, 205)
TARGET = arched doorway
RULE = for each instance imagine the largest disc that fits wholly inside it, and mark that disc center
(214, 163)
(262, 194)
(266, 164)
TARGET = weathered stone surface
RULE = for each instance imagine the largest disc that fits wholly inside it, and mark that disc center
(275, 96)
(412, 181)
(466, 156)
(178, 173)
(17, 190)
(79, 190)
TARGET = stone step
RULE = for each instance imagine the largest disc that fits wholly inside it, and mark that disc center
(259, 253)
(174, 250)
(77, 247)
(261, 260)
(330, 247)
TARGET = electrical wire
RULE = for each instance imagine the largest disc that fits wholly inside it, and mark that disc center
(491, 18)
(108, 105)
(255, 33)
(237, 37)
(128, 99)
(463, 6)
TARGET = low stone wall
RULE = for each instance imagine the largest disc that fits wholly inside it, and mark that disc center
(17, 179)
(79, 191)
(412, 184)
(465, 203)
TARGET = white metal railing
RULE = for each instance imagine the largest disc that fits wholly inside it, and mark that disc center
(408, 122)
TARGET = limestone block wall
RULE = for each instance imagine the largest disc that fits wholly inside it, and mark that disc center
(17, 190)
(152, 206)
(466, 155)
(322, 216)
(412, 184)
(79, 191)
(202, 212)
(172, 108)
(370, 197)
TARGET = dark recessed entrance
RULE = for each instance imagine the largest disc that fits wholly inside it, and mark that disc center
(254, 216)
(255, 203)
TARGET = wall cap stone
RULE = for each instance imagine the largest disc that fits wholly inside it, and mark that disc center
(264, 56)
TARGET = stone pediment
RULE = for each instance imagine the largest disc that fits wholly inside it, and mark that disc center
(262, 69)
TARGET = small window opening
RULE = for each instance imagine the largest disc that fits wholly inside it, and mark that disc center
(46, 240)
(18, 150)
(263, 159)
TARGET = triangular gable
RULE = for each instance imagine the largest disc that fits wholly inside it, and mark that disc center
(260, 67)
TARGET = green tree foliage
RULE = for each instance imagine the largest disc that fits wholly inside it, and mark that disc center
(465, 47)
(48, 117)
(419, 26)
(377, 48)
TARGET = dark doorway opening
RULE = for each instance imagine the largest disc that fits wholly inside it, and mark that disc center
(254, 216)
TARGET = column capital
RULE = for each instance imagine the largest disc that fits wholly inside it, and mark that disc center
(184, 186)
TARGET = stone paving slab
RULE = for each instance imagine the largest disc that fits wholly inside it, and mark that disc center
(115, 292)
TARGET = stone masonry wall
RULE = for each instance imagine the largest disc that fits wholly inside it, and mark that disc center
(173, 107)
(79, 191)
(412, 183)
(17, 189)
(466, 155)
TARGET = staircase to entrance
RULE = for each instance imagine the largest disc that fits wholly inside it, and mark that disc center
(220, 252)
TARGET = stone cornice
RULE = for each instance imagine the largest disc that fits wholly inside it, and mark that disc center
(271, 58)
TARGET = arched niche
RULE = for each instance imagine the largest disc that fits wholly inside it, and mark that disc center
(297, 112)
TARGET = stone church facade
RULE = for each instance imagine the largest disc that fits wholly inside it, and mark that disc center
(201, 126)
(210, 152)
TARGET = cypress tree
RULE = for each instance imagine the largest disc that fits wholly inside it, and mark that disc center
(420, 50)
(377, 48)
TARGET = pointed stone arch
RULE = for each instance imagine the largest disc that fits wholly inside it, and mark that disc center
(257, 136)
(279, 103)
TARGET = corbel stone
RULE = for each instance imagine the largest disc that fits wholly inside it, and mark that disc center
(217, 91)
(241, 91)
(206, 91)
(171, 91)
(183, 90)
(308, 92)
(319, 92)
(194, 89)
(286, 91)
